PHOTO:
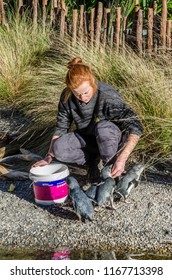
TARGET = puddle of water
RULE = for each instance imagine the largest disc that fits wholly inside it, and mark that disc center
(69, 254)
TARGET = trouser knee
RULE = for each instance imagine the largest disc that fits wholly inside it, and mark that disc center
(68, 148)
(108, 136)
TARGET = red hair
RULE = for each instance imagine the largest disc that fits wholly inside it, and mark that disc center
(79, 73)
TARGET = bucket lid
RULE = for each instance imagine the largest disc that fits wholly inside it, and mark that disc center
(50, 172)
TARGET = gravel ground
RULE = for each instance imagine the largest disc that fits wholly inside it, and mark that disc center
(142, 225)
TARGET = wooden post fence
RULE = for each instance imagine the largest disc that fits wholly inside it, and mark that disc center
(86, 27)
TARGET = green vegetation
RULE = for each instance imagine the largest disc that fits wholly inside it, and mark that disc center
(20, 49)
(32, 73)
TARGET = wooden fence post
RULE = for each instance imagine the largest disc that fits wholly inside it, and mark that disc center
(86, 28)
(2, 13)
(35, 13)
(81, 24)
(20, 6)
(99, 23)
(139, 31)
(106, 25)
(44, 11)
(155, 5)
(52, 12)
(55, 4)
(150, 30)
(136, 2)
(92, 15)
(74, 26)
(169, 26)
(64, 11)
(124, 32)
(163, 23)
(117, 28)
(135, 18)
(155, 33)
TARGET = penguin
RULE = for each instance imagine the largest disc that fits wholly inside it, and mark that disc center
(81, 202)
(129, 181)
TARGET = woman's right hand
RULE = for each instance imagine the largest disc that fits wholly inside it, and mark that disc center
(47, 160)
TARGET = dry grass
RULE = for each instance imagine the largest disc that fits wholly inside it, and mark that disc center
(34, 82)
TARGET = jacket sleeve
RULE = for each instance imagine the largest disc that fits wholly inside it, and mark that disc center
(121, 114)
(63, 117)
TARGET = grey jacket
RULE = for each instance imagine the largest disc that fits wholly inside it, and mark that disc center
(106, 104)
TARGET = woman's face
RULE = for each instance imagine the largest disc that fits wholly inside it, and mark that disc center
(84, 92)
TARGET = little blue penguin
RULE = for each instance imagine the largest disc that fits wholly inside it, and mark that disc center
(105, 192)
(106, 172)
(130, 180)
(82, 204)
(91, 191)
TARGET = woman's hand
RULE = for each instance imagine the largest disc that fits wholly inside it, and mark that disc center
(47, 160)
(118, 168)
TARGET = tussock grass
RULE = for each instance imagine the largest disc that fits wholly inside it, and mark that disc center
(143, 83)
(32, 74)
(21, 46)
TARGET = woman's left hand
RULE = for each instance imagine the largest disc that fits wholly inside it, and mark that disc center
(118, 168)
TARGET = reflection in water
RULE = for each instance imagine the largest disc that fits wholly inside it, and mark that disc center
(64, 253)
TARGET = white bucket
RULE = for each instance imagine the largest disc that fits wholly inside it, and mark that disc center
(49, 183)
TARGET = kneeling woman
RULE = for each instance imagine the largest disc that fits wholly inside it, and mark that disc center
(106, 128)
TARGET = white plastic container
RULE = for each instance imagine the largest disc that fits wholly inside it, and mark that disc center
(49, 183)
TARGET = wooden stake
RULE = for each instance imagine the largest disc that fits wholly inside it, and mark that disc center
(163, 23)
(2, 13)
(99, 23)
(52, 12)
(74, 26)
(139, 30)
(44, 3)
(117, 28)
(35, 13)
(63, 25)
(20, 5)
(81, 23)
(169, 26)
(124, 32)
(106, 25)
(150, 30)
(135, 18)
(92, 15)
(55, 3)
(86, 29)
(136, 2)
(154, 7)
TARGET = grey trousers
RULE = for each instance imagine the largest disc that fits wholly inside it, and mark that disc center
(74, 147)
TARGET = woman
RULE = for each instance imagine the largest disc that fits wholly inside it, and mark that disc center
(103, 123)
